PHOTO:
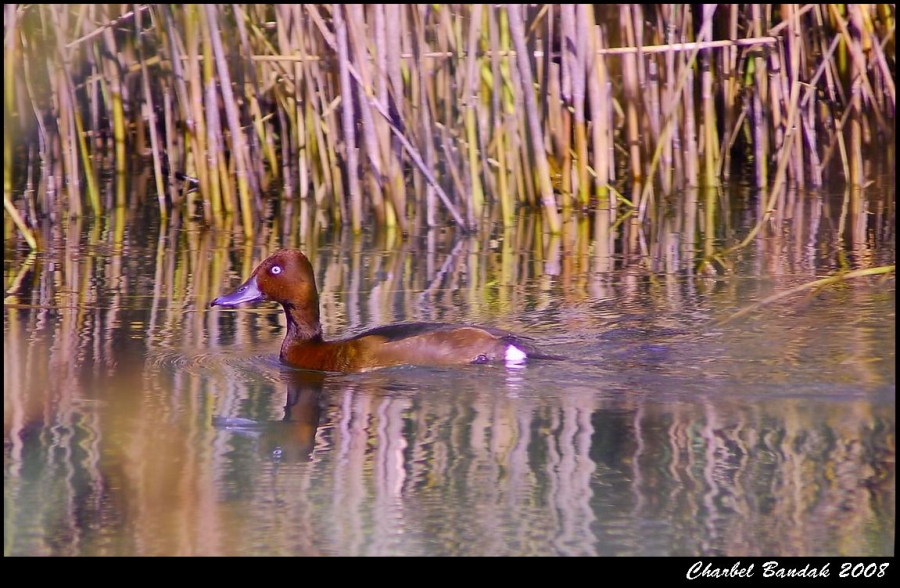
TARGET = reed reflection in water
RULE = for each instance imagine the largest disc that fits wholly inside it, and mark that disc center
(136, 421)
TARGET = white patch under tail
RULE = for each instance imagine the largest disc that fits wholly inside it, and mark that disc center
(514, 355)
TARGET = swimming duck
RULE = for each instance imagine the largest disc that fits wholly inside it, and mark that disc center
(287, 277)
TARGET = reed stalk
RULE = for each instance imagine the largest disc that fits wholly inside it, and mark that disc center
(259, 103)
(548, 200)
(23, 228)
(261, 144)
(114, 93)
(631, 90)
(691, 148)
(759, 97)
(730, 89)
(598, 93)
(580, 74)
(424, 121)
(11, 55)
(470, 105)
(501, 141)
(795, 73)
(393, 86)
(653, 120)
(150, 114)
(347, 119)
(710, 123)
(238, 146)
(372, 147)
(558, 91)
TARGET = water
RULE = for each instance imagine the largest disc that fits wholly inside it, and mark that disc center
(137, 421)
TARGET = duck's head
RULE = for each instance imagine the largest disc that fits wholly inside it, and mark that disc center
(285, 277)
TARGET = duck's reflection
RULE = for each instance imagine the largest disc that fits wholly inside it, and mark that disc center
(293, 437)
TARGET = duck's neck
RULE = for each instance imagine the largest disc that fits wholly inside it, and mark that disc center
(302, 323)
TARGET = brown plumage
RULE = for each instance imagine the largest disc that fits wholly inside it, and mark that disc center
(287, 277)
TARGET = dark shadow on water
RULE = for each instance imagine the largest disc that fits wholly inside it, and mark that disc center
(292, 438)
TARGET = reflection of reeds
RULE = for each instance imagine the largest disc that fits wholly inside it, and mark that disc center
(546, 106)
(559, 474)
(123, 438)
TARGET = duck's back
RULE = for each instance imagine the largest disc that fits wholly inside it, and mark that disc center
(440, 344)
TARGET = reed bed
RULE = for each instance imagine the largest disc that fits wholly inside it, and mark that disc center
(421, 115)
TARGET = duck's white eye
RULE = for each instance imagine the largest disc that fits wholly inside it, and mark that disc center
(276, 269)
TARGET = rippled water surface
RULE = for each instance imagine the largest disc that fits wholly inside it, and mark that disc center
(139, 421)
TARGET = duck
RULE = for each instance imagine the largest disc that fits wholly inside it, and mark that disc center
(287, 277)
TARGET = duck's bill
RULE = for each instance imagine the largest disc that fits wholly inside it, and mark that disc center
(247, 292)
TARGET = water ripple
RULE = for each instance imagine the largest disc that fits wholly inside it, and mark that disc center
(235, 363)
